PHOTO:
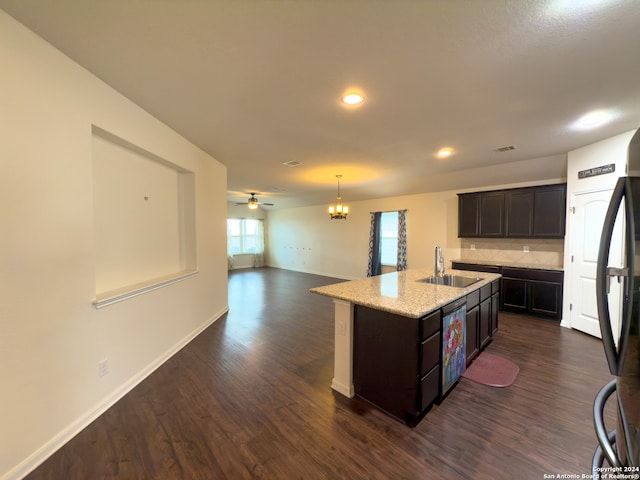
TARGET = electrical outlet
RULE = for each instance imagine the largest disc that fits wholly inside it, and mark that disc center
(525, 249)
(103, 368)
(473, 246)
(342, 328)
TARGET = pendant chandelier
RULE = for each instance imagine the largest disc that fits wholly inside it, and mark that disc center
(338, 211)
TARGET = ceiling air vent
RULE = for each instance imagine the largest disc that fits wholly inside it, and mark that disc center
(505, 149)
(292, 163)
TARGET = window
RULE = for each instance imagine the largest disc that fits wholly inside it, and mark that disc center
(244, 236)
(389, 238)
(387, 242)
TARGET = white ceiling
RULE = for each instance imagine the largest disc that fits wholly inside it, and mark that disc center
(256, 83)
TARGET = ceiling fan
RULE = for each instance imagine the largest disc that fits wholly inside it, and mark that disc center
(253, 202)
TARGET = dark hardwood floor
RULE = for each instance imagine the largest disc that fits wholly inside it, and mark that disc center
(250, 399)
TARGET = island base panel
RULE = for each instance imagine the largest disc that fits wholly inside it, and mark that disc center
(343, 340)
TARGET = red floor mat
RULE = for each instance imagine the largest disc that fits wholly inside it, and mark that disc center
(492, 370)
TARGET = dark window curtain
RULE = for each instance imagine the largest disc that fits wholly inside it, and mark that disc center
(375, 267)
(402, 240)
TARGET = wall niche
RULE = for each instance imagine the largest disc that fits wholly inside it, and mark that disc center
(144, 219)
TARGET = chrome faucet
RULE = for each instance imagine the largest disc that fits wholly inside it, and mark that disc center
(439, 268)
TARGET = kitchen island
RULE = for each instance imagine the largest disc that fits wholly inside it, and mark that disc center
(389, 331)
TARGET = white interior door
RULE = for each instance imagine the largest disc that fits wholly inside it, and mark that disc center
(586, 228)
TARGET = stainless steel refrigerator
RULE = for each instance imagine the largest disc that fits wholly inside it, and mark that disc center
(621, 447)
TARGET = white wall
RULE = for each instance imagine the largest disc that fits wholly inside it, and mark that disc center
(611, 150)
(51, 337)
(307, 240)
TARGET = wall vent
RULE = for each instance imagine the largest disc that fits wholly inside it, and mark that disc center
(292, 163)
(505, 149)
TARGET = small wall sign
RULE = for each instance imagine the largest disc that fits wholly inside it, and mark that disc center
(592, 172)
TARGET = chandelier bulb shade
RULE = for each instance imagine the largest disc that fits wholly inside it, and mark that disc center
(338, 211)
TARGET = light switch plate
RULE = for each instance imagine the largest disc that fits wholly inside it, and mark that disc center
(103, 368)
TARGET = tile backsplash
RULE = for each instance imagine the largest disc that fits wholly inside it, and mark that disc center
(512, 250)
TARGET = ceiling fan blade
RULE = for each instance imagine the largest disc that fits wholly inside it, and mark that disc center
(253, 200)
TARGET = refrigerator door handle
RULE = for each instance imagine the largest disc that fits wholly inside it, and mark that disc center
(605, 439)
(603, 279)
(619, 273)
(598, 456)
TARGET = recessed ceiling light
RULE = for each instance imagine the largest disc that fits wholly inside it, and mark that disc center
(593, 119)
(444, 152)
(353, 99)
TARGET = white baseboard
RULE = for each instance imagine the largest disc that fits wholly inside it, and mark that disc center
(49, 448)
(313, 272)
(346, 390)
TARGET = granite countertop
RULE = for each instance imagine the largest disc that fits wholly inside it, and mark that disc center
(498, 263)
(401, 292)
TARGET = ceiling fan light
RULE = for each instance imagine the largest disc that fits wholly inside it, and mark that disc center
(252, 203)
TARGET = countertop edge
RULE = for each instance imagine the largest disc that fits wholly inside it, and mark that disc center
(529, 266)
(354, 292)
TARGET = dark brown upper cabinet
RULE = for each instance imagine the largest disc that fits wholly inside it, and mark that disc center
(519, 213)
(469, 215)
(481, 214)
(492, 214)
(531, 212)
(549, 211)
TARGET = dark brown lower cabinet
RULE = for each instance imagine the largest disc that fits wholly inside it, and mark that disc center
(396, 361)
(546, 298)
(429, 391)
(485, 316)
(485, 322)
(524, 290)
(482, 318)
(533, 292)
(514, 294)
(472, 345)
(495, 305)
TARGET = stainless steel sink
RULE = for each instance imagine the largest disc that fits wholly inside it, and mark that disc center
(450, 280)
